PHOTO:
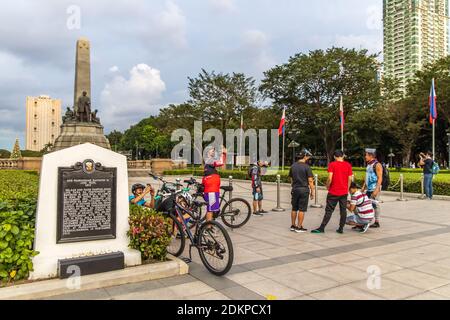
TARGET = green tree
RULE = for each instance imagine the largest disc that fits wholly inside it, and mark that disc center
(115, 138)
(15, 153)
(418, 92)
(222, 97)
(310, 86)
(147, 139)
(4, 154)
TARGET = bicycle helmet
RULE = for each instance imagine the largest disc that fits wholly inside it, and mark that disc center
(137, 186)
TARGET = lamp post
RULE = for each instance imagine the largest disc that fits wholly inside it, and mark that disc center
(293, 145)
(391, 156)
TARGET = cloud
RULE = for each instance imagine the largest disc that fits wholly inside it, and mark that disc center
(256, 45)
(373, 43)
(170, 25)
(114, 69)
(125, 101)
(223, 5)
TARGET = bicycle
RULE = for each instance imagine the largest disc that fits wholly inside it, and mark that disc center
(235, 213)
(209, 237)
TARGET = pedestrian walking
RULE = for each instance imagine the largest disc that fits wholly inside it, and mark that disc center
(373, 182)
(426, 162)
(255, 173)
(302, 180)
(339, 180)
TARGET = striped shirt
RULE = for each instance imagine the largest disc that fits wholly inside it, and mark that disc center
(363, 205)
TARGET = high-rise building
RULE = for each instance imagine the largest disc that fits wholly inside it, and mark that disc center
(43, 122)
(415, 34)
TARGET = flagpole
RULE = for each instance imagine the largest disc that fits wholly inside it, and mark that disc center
(284, 141)
(434, 139)
(342, 123)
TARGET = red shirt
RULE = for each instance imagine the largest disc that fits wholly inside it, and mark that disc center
(341, 171)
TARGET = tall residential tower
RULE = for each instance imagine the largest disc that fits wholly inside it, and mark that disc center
(415, 34)
(43, 118)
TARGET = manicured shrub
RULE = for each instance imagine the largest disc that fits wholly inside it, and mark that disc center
(148, 233)
(18, 199)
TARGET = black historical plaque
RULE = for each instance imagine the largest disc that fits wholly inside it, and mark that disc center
(86, 202)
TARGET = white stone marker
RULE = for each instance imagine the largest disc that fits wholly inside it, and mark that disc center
(46, 263)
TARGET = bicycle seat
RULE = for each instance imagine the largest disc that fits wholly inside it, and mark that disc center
(227, 188)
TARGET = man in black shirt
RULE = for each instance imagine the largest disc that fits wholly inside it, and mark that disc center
(302, 189)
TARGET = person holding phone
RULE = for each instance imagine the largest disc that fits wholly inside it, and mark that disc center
(211, 181)
(139, 191)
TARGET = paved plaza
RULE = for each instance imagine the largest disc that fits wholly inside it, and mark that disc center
(410, 253)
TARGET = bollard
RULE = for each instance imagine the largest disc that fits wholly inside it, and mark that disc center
(278, 208)
(178, 182)
(402, 198)
(230, 183)
(353, 178)
(316, 198)
(422, 187)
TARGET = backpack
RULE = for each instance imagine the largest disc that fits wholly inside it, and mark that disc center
(386, 177)
(250, 172)
(435, 168)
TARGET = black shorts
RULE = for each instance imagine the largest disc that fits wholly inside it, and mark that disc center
(300, 199)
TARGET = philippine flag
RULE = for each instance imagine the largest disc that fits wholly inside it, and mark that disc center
(282, 123)
(341, 114)
(433, 103)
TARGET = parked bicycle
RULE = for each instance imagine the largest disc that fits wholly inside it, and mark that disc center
(209, 237)
(235, 213)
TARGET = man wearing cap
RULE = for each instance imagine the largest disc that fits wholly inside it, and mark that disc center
(339, 179)
(302, 190)
(258, 195)
(373, 182)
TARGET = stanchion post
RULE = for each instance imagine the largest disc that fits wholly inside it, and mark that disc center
(278, 208)
(316, 188)
(402, 198)
(230, 183)
(178, 183)
(422, 187)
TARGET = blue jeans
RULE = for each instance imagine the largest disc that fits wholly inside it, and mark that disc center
(428, 185)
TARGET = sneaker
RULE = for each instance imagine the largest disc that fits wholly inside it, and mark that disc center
(340, 231)
(301, 230)
(365, 228)
(318, 231)
(258, 214)
(376, 225)
(263, 211)
(356, 228)
(293, 228)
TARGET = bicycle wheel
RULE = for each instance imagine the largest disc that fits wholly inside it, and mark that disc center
(236, 213)
(178, 239)
(215, 248)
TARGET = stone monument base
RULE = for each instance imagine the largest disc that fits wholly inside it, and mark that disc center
(76, 133)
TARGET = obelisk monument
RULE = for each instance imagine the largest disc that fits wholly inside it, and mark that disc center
(82, 69)
(81, 124)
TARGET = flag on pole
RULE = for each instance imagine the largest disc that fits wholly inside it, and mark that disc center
(282, 123)
(433, 103)
(341, 114)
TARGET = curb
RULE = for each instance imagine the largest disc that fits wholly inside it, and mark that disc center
(56, 287)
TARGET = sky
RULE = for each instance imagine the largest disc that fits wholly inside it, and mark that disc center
(143, 51)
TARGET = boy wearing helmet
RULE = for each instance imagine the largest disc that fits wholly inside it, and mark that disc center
(139, 192)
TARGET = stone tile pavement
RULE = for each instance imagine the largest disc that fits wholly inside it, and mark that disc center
(411, 254)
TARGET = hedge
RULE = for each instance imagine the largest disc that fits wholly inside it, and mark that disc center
(149, 233)
(412, 180)
(18, 199)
